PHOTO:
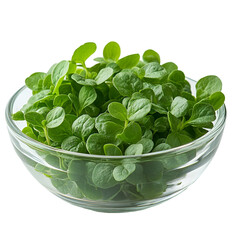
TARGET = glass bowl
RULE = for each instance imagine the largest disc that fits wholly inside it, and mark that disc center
(158, 176)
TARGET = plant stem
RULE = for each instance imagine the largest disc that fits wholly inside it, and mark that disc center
(46, 135)
(79, 112)
(126, 123)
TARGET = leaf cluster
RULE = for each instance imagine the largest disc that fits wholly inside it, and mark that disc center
(119, 106)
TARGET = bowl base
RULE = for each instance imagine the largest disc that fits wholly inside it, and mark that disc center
(117, 207)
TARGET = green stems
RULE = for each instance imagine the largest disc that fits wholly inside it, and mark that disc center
(46, 135)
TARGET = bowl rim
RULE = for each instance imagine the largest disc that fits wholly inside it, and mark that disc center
(220, 121)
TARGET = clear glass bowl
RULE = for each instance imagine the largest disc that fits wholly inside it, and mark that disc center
(159, 175)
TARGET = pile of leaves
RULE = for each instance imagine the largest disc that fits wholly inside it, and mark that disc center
(119, 106)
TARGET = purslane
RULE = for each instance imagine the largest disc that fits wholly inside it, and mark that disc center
(119, 106)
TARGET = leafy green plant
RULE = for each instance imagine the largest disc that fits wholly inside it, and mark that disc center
(117, 107)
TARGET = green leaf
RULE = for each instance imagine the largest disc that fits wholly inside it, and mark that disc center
(117, 110)
(53, 160)
(138, 108)
(29, 132)
(110, 128)
(62, 100)
(127, 83)
(132, 133)
(152, 190)
(154, 70)
(129, 61)
(106, 117)
(65, 87)
(87, 96)
(32, 81)
(38, 97)
(158, 108)
(148, 93)
(170, 66)
(151, 56)
(76, 170)
(216, 100)
(125, 101)
(18, 116)
(83, 126)
(43, 111)
(101, 60)
(74, 99)
(49, 72)
(104, 75)
(140, 72)
(147, 145)
(72, 67)
(174, 122)
(170, 91)
(43, 169)
(202, 115)
(73, 144)
(88, 172)
(55, 117)
(82, 53)
(161, 124)
(82, 81)
(172, 162)
(186, 87)
(148, 134)
(102, 175)
(70, 118)
(34, 118)
(179, 106)
(75, 191)
(137, 177)
(176, 139)
(121, 172)
(114, 67)
(111, 51)
(177, 76)
(208, 85)
(89, 191)
(134, 149)
(112, 150)
(65, 186)
(161, 147)
(58, 74)
(95, 143)
(58, 134)
(188, 96)
(153, 170)
(157, 89)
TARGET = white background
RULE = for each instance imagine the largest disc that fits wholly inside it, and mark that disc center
(202, 37)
